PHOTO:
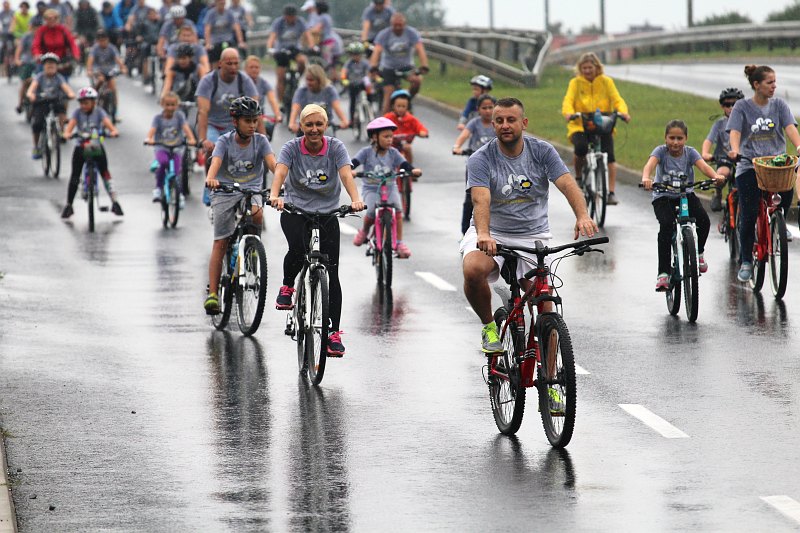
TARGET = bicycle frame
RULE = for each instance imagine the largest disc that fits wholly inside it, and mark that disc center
(384, 207)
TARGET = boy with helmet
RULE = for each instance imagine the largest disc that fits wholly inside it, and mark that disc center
(380, 157)
(355, 74)
(48, 89)
(89, 118)
(720, 138)
(239, 157)
(170, 28)
(183, 75)
(480, 85)
(408, 126)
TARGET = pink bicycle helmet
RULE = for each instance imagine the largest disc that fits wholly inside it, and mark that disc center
(87, 93)
(380, 124)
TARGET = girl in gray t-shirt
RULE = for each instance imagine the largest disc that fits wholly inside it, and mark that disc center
(668, 160)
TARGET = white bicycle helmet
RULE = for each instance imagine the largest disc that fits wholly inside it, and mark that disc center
(87, 93)
(49, 56)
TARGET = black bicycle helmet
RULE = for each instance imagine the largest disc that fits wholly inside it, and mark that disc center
(289, 11)
(184, 50)
(730, 93)
(244, 106)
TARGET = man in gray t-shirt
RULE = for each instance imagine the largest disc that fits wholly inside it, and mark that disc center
(374, 19)
(510, 178)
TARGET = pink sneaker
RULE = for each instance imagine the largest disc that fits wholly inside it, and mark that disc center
(284, 301)
(360, 238)
(402, 251)
(702, 266)
(662, 283)
(335, 346)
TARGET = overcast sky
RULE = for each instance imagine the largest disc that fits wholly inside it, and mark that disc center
(620, 14)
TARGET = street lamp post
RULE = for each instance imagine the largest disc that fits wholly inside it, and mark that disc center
(491, 14)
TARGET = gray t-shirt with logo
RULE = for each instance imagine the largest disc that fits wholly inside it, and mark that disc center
(324, 98)
(105, 59)
(356, 71)
(398, 50)
(169, 131)
(670, 166)
(313, 181)
(242, 164)
(288, 36)
(480, 133)
(719, 136)
(378, 20)
(219, 114)
(86, 123)
(199, 51)
(519, 186)
(49, 86)
(379, 164)
(761, 128)
(263, 87)
(221, 25)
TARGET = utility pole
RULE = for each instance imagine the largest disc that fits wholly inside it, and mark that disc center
(491, 14)
(546, 15)
(689, 13)
(603, 17)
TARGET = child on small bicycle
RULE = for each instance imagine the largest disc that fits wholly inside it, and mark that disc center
(674, 158)
(381, 157)
(239, 156)
(48, 89)
(104, 59)
(89, 118)
(478, 131)
(170, 128)
(720, 139)
(481, 85)
(355, 75)
(408, 126)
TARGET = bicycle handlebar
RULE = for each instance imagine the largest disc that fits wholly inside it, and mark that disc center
(340, 212)
(666, 186)
(174, 146)
(542, 251)
(466, 152)
(373, 175)
(236, 188)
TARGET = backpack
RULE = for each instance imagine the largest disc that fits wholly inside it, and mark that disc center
(215, 83)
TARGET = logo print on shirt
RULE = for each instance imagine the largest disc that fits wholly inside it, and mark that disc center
(519, 183)
(226, 99)
(763, 124)
(240, 167)
(316, 177)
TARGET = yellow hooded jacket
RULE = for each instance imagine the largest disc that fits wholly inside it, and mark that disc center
(584, 96)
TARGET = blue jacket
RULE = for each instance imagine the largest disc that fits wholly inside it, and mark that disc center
(111, 21)
(122, 11)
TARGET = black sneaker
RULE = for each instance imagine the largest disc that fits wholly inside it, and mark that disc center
(67, 211)
(716, 201)
(612, 199)
(116, 209)
(18, 109)
(335, 346)
(284, 301)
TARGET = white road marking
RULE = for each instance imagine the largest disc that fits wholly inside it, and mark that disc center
(786, 505)
(581, 371)
(436, 281)
(347, 229)
(654, 421)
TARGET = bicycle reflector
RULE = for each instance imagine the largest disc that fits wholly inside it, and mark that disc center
(776, 199)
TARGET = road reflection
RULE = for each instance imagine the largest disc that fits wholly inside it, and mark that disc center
(319, 495)
(550, 473)
(384, 316)
(93, 246)
(241, 414)
(759, 312)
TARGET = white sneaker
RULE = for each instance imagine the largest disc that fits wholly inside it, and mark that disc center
(789, 235)
(181, 201)
(156, 195)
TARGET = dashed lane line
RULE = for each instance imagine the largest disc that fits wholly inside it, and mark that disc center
(436, 281)
(786, 505)
(654, 421)
(347, 229)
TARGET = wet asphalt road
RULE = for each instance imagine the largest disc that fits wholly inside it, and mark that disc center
(124, 410)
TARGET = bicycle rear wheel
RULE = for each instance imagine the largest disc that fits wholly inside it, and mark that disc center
(55, 151)
(252, 294)
(225, 295)
(174, 204)
(690, 275)
(600, 193)
(673, 293)
(759, 262)
(186, 165)
(506, 393)
(779, 258)
(731, 226)
(556, 380)
(317, 330)
(299, 313)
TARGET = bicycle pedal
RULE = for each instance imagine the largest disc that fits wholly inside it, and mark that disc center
(103, 208)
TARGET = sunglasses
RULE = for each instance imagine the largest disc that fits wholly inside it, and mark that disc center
(728, 104)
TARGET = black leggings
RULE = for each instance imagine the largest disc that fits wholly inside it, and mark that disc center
(664, 208)
(77, 166)
(297, 232)
(582, 144)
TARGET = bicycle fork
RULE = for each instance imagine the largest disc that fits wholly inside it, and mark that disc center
(379, 228)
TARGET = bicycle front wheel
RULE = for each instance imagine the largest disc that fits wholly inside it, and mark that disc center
(386, 252)
(299, 314)
(317, 330)
(690, 275)
(506, 393)
(760, 254)
(186, 165)
(252, 288)
(91, 187)
(674, 291)
(55, 151)
(405, 193)
(556, 382)
(174, 203)
(779, 256)
(600, 194)
(225, 295)
(44, 151)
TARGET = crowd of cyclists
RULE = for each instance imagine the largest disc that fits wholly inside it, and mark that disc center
(200, 53)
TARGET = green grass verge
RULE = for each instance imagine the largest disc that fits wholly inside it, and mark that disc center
(650, 107)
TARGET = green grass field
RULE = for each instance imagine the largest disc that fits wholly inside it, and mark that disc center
(651, 108)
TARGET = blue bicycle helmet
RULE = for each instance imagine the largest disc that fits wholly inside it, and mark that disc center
(399, 93)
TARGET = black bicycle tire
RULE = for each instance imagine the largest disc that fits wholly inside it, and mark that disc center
(690, 275)
(386, 251)
(588, 194)
(186, 163)
(55, 152)
(673, 294)
(406, 197)
(759, 265)
(174, 209)
(780, 248)
(565, 376)
(299, 324)
(317, 355)
(44, 151)
(90, 198)
(252, 327)
(602, 194)
(225, 296)
(732, 231)
(507, 425)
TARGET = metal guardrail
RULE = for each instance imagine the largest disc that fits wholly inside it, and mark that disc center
(491, 53)
(697, 37)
